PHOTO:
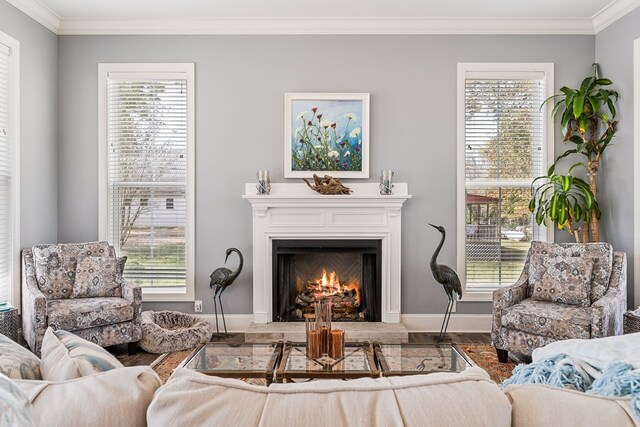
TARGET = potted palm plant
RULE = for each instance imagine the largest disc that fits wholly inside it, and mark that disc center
(588, 119)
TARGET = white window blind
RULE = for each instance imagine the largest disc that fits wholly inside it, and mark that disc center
(148, 143)
(6, 176)
(505, 148)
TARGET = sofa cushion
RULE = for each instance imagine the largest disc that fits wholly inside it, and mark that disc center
(66, 356)
(119, 397)
(98, 277)
(82, 313)
(600, 253)
(564, 279)
(421, 400)
(548, 319)
(542, 405)
(15, 408)
(55, 265)
(17, 362)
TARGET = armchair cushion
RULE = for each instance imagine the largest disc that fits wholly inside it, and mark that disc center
(98, 277)
(563, 279)
(82, 313)
(55, 265)
(549, 319)
(543, 254)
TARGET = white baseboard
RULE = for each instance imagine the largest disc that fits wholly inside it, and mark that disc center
(413, 322)
(457, 323)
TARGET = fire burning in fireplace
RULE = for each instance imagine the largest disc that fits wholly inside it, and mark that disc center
(345, 297)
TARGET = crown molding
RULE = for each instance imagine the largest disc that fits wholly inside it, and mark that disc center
(326, 25)
(612, 12)
(40, 13)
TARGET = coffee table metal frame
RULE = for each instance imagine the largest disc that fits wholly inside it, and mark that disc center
(283, 374)
(267, 374)
(386, 371)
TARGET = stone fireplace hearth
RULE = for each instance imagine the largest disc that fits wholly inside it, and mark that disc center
(292, 212)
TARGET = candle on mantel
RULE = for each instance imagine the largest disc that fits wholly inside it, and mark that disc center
(324, 340)
(337, 343)
(313, 344)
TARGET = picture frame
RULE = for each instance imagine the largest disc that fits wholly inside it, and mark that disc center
(326, 134)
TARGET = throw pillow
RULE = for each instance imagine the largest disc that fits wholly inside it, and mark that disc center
(564, 280)
(600, 253)
(98, 277)
(66, 356)
(17, 362)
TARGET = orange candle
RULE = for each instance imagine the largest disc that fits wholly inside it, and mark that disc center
(324, 340)
(337, 343)
(313, 344)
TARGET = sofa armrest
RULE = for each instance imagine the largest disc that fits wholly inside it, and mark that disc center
(607, 312)
(133, 292)
(504, 298)
(34, 304)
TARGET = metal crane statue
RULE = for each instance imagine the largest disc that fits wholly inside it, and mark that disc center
(221, 279)
(449, 280)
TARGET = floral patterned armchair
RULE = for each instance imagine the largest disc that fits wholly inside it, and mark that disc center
(79, 288)
(565, 291)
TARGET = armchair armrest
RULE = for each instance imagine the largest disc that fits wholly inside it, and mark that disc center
(504, 298)
(607, 312)
(133, 292)
(34, 305)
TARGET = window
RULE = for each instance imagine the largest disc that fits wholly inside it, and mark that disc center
(9, 161)
(147, 158)
(504, 142)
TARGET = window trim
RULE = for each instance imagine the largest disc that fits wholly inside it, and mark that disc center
(495, 70)
(14, 123)
(150, 70)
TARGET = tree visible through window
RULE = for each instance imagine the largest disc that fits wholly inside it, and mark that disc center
(504, 150)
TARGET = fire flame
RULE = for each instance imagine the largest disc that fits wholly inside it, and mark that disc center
(329, 284)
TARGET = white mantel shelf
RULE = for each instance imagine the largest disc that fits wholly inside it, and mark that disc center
(294, 211)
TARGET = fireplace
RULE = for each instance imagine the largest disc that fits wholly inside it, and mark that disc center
(346, 272)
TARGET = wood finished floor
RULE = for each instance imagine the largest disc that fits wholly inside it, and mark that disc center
(141, 357)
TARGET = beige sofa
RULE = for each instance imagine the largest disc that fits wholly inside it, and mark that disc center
(133, 396)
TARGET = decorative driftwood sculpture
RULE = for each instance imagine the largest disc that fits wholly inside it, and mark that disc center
(327, 185)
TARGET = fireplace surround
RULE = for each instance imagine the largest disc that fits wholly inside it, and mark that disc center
(293, 212)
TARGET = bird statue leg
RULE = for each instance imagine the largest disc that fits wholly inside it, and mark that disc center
(222, 310)
(215, 309)
(450, 308)
(445, 319)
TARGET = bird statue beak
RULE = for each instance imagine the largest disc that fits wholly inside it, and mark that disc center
(433, 225)
(226, 258)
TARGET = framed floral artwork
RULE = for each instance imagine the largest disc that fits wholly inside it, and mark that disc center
(326, 134)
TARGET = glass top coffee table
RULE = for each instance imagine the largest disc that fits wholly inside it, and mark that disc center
(412, 359)
(358, 362)
(246, 360)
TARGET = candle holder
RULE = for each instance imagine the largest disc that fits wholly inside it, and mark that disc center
(337, 344)
(264, 182)
(386, 182)
(313, 339)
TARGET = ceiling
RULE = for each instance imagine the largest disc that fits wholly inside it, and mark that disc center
(326, 17)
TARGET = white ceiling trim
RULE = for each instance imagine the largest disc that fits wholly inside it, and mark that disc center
(612, 12)
(370, 25)
(38, 12)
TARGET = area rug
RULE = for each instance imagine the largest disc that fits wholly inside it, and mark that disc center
(485, 356)
(482, 355)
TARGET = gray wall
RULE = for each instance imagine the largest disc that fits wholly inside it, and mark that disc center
(614, 52)
(240, 82)
(38, 125)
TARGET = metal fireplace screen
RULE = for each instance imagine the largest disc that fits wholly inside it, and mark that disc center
(347, 273)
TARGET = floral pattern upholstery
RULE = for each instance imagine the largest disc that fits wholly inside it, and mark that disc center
(521, 324)
(17, 362)
(117, 324)
(98, 277)
(82, 313)
(562, 279)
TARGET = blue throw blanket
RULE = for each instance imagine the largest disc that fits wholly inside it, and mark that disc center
(617, 379)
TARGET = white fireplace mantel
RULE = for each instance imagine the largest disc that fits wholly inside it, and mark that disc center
(293, 211)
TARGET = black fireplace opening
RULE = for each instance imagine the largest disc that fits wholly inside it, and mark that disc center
(348, 273)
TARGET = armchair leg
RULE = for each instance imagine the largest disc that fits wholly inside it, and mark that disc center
(503, 355)
(132, 348)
